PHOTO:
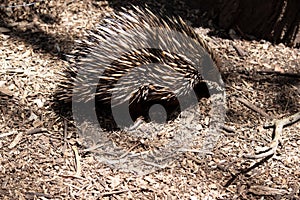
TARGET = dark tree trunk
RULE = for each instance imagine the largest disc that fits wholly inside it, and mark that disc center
(273, 20)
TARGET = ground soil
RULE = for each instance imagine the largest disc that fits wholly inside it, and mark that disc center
(41, 156)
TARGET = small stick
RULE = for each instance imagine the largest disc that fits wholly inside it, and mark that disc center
(7, 134)
(129, 150)
(277, 73)
(32, 131)
(245, 171)
(253, 107)
(279, 124)
(119, 192)
(65, 136)
(240, 51)
(230, 129)
(36, 130)
(15, 141)
(77, 161)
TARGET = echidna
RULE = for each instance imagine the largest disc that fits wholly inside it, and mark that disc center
(142, 59)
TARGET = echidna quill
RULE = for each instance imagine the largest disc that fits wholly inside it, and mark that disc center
(142, 59)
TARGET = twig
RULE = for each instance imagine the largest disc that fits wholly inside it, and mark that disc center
(16, 141)
(263, 190)
(31, 131)
(230, 129)
(289, 120)
(253, 107)
(129, 150)
(119, 191)
(136, 124)
(277, 73)
(240, 51)
(36, 130)
(65, 136)
(72, 176)
(278, 127)
(31, 195)
(244, 171)
(8, 134)
(19, 136)
(271, 148)
(77, 161)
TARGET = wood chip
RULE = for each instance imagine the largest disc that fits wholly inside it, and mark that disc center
(264, 190)
(16, 140)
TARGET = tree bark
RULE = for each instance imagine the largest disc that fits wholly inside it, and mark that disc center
(273, 20)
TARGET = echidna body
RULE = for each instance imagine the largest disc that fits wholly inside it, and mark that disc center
(135, 56)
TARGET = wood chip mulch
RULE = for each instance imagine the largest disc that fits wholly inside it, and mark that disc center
(41, 157)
